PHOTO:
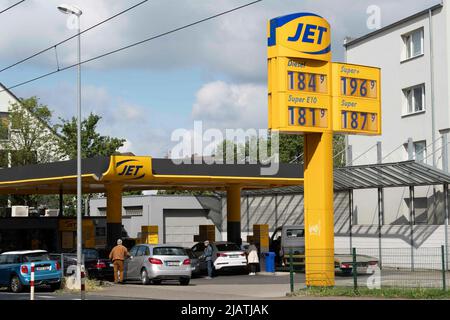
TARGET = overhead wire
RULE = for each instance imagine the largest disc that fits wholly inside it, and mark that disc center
(132, 45)
(12, 6)
(71, 37)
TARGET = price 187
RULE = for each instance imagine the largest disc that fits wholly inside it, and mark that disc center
(359, 121)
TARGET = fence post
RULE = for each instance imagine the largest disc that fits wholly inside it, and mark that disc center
(32, 282)
(355, 271)
(444, 282)
(291, 270)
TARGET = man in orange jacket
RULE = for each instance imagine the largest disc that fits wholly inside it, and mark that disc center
(117, 256)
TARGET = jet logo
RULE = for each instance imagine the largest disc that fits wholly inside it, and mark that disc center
(130, 170)
(308, 33)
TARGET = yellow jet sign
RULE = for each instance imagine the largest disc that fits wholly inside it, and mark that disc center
(299, 73)
(356, 99)
(129, 168)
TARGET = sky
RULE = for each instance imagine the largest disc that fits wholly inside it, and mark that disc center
(215, 72)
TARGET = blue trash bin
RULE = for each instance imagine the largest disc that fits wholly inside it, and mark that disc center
(270, 261)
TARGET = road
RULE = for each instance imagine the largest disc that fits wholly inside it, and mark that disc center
(229, 287)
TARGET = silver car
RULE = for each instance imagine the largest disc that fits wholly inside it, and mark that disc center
(154, 263)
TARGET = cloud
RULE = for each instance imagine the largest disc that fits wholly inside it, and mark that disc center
(120, 118)
(225, 105)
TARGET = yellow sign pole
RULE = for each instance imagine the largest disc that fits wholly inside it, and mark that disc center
(319, 213)
(310, 95)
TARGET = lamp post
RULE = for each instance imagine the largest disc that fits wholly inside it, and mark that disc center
(69, 9)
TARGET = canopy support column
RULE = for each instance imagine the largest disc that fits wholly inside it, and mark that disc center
(380, 223)
(350, 219)
(446, 222)
(412, 215)
(113, 213)
(61, 202)
(234, 213)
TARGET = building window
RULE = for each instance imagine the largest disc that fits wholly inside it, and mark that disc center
(414, 99)
(420, 151)
(413, 44)
(131, 211)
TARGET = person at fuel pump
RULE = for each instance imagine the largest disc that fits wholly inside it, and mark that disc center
(252, 258)
(118, 255)
(207, 255)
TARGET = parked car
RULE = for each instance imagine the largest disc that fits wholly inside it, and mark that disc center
(292, 237)
(15, 270)
(226, 256)
(96, 267)
(343, 263)
(195, 262)
(155, 263)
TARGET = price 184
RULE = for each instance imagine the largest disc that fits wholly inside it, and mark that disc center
(307, 82)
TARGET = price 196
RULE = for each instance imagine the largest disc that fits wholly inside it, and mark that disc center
(359, 121)
(308, 117)
(358, 87)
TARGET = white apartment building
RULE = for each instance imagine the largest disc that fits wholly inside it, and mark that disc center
(414, 57)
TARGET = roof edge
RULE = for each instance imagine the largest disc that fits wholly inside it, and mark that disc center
(392, 25)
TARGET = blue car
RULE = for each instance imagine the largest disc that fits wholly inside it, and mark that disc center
(15, 270)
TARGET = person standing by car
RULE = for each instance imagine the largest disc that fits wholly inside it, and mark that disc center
(252, 258)
(117, 256)
(207, 255)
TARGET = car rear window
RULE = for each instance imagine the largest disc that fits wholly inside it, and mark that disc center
(34, 257)
(228, 247)
(169, 251)
(90, 254)
(295, 233)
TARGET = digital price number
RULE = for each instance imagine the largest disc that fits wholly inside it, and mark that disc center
(307, 82)
(308, 117)
(358, 87)
(359, 121)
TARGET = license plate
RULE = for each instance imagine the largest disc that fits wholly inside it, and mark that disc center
(172, 263)
(111, 265)
(42, 268)
(234, 256)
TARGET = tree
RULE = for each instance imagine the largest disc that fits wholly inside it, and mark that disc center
(27, 138)
(92, 143)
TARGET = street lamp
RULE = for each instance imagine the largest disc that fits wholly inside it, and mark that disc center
(69, 9)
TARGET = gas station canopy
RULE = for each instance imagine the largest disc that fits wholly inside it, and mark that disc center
(142, 173)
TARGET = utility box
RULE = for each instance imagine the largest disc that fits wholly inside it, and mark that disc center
(149, 234)
(206, 232)
(51, 212)
(19, 211)
(261, 236)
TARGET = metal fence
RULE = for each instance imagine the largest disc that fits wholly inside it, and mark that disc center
(370, 268)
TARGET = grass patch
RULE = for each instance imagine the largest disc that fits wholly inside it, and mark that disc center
(90, 285)
(387, 293)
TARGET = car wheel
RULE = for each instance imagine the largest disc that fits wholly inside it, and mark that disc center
(144, 277)
(15, 285)
(156, 281)
(55, 286)
(184, 281)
